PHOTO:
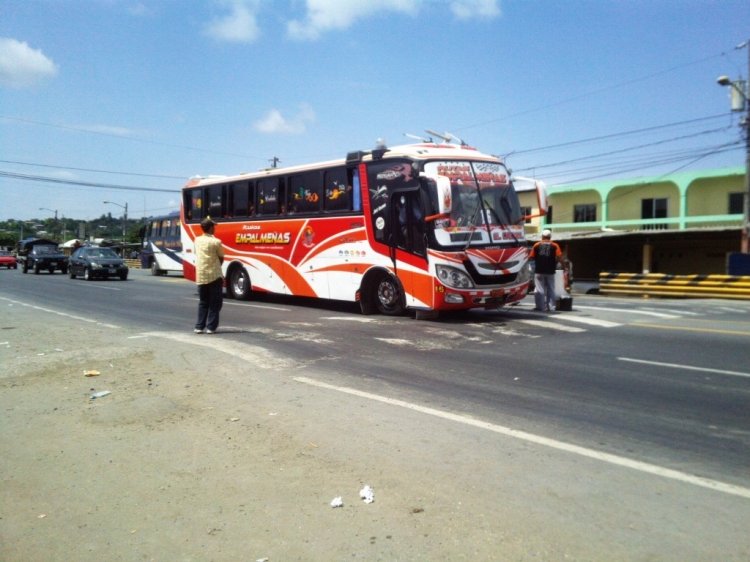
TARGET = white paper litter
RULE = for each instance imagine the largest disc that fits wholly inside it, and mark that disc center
(337, 502)
(367, 494)
(100, 394)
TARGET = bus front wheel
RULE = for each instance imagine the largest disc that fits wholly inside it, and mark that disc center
(388, 296)
(239, 284)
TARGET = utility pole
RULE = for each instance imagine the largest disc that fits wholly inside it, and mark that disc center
(740, 102)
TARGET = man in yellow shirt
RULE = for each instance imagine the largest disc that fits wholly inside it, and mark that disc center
(209, 255)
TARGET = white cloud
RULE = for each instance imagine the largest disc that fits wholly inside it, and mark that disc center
(21, 66)
(275, 123)
(240, 25)
(475, 9)
(327, 15)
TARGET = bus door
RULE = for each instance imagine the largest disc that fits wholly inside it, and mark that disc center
(407, 235)
(408, 220)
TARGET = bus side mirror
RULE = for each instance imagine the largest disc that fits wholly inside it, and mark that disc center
(541, 197)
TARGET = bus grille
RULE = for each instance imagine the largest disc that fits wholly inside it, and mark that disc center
(479, 279)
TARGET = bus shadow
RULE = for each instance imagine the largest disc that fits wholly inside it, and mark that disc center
(488, 316)
(304, 302)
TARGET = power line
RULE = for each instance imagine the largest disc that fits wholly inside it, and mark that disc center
(92, 170)
(617, 135)
(29, 177)
(627, 149)
(589, 93)
(649, 161)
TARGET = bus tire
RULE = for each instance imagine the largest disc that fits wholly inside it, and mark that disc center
(155, 268)
(388, 296)
(239, 283)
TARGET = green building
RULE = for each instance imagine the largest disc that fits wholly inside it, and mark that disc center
(684, 223)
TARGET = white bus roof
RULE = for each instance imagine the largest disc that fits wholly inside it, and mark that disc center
(417, 151)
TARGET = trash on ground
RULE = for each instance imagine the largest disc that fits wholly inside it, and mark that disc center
(337, 502)
(100, 394)
(234, 419)
(92, 373)
(367, 494)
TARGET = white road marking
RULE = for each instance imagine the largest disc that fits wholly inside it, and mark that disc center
(252, 354)
(671, 311)
(248, 305)
(628, 310)
(551, 325)
(617, 460)
(728, 309)
(359, 319)
(65, 314)
(99, 286)
(587, 320)
(685, 367)
(396, 341)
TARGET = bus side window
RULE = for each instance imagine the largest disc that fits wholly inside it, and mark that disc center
(215, 200)
(304, 193)
(251, 199)
(338, 192)
(268, 196)
(239, 201)
(193, 202)
(356, 189)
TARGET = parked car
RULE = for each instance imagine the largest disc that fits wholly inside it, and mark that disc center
(91, 262)
(8, 260)
(40, 254)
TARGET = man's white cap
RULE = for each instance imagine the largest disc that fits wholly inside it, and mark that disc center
(546, 233)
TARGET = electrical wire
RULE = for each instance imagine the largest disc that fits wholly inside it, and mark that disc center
(92, 170)
(46, 179)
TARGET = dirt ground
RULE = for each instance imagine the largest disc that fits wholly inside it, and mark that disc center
(208, 449)
(198, 455)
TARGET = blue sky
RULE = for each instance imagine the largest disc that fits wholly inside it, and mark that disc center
(144, 94)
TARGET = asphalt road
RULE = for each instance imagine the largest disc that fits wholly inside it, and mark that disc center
(658, 388)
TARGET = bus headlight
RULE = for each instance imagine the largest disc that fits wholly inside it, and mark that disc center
(452, 277)
(524, 274)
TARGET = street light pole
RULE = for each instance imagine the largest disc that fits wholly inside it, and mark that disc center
(741, 102)
(124, 219)
(51, 211)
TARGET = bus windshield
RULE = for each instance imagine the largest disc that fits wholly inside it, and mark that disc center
(484, 207)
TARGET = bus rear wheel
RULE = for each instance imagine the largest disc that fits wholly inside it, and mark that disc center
(239, 284)
(388, 296)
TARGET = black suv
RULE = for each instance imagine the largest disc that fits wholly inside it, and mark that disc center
(39, 254)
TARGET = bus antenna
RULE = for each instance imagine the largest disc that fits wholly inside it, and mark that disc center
(417, 137)
(446, 136)
(274, 162)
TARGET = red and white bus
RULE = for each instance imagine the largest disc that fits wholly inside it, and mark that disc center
(425, 227)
